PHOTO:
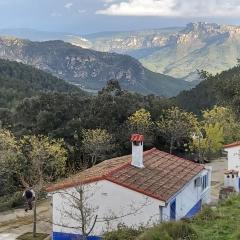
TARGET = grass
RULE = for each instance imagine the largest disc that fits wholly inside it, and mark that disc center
(218, 223)
(29, 236)
(221, 223)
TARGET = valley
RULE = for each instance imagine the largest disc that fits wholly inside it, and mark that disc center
(90, 69)
(175, 51)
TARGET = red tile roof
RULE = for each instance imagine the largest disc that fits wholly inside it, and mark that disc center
(235, 144)
(162, 177)
(137, 138)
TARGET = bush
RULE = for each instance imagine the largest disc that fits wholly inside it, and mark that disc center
(170, 231)
(154, 234)
(122, 233)
(206, 214)
(236, 236)
(11, 201)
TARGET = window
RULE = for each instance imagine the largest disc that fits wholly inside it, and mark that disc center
(197, 182)
(204, 181)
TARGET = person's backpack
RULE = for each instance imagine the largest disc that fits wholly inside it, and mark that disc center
(28, 194)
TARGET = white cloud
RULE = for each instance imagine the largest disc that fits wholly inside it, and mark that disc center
(180, 8)
(68, 5)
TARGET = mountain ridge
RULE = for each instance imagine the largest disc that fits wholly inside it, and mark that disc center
(175, 51)
(178, 52)
(89, 69)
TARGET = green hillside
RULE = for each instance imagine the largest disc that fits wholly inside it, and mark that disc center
(220, 89)
(18, 81)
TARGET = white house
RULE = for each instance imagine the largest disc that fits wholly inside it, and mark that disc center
(231, 176)
(139, 189)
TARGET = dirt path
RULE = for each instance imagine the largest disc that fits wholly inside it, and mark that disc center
(219, 166)
(17, 222)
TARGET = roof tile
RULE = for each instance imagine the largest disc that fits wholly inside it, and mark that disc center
(162, 177)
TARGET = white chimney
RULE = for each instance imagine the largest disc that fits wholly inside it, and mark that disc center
(137, 150)
(233, 157)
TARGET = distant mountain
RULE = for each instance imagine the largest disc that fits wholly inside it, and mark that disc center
(88, 68)
(40, 36)
(177, 52)
(18, 81)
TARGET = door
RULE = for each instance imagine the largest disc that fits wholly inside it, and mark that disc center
(173, 210)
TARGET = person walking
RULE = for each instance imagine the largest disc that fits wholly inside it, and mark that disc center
(29, 195)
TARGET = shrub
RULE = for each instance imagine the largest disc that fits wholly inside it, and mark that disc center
(122, 233)
(154, 234)
(236, 236)
(206, 214)
(170, 231)
(11, 201)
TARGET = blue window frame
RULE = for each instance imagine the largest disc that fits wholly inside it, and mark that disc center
(204, 182)
(173, 210)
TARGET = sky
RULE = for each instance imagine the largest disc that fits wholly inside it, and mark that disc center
(89, 16)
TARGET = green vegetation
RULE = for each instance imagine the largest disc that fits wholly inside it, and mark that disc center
(94, 128)
(123, 233)
(220, 89)
(218, 223)
(18, 81)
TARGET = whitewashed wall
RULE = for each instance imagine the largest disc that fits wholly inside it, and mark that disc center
(233, 158)
(111, 199)
(232, 182)
(188, 197)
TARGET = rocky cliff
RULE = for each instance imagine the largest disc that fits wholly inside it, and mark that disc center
(88, 68)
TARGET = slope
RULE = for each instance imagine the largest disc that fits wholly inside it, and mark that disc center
(222, 88)
(18, 81)
(88, 68)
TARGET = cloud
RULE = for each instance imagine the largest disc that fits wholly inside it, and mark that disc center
(174, 8)
(68, 5)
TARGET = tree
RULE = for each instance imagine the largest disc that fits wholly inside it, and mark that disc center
(209, 141)
(81, 211)
(176, 125)
(81, 206)
(10, 153)
(112, 87)
(44, 162)
(140, 122)
(226, 119)
(34, 160)
(96, 143)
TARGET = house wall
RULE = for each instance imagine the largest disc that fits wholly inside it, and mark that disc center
(189, 199)
(109, 200)
(233, 158)
(132, 209)
(232, 182)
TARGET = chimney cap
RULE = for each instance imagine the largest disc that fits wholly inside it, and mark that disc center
(137, 138)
